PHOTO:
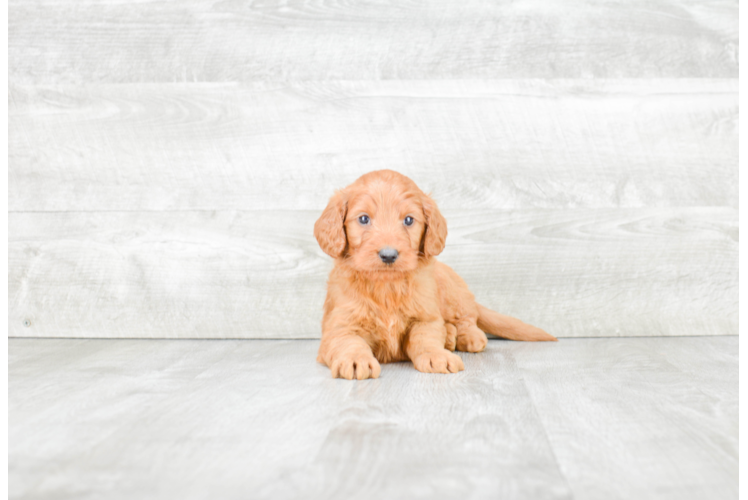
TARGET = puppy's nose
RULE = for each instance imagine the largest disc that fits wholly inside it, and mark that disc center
(388, 255)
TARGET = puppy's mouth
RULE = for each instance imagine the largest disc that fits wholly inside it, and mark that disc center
(389, 268)
(387, 272)
(388, 262)
(383, 268)
(399, 266)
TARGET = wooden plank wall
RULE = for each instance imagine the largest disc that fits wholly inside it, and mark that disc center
(167, 161)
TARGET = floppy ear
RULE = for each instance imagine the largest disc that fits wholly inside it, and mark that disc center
(435, 234)
(329, 229)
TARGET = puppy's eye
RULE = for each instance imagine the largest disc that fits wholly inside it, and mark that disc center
(363, 220)
(408, 221)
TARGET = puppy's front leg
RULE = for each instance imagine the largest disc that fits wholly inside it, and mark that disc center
(348, 356)
(424, 346)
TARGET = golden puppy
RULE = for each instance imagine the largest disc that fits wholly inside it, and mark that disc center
(388, 299)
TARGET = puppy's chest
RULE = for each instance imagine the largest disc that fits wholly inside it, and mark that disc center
(385, 330)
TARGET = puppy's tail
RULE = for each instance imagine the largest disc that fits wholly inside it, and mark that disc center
(510, 328)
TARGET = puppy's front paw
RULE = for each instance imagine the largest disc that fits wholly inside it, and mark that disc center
(471, 340)
(358, 366)
(439, 362)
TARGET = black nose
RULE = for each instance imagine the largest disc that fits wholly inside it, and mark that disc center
(388, 255)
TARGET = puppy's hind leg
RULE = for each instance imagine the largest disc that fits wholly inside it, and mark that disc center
(470, 338)
(458, 308)
(451, 342)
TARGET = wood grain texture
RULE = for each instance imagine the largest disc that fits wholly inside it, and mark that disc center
(743, 283)
(743, 415)
(575, 273)
(198, 40)
(474, 144)
(581, 418)
(167, 159)
(618, 397)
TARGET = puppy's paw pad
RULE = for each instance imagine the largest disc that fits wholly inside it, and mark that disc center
(439, 362)
(360, 367)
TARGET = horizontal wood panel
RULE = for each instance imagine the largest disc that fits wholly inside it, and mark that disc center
(260, 274)
(197, 41)
(474, 144)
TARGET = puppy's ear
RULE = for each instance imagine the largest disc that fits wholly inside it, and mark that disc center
(329, 229)
(435, 234)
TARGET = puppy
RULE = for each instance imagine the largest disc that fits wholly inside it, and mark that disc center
(388, 299)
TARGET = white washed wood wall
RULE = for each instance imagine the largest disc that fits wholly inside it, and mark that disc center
(167, 161)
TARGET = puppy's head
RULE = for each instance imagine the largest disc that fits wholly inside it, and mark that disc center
(381, 223)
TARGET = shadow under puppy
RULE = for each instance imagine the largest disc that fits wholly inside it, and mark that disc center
(388, 298)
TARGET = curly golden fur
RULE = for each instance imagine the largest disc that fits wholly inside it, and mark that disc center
(414, 308)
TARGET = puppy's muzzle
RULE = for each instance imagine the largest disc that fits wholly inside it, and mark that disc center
(388, 255)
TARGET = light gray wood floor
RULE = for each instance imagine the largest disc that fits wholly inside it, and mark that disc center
(582, 418)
